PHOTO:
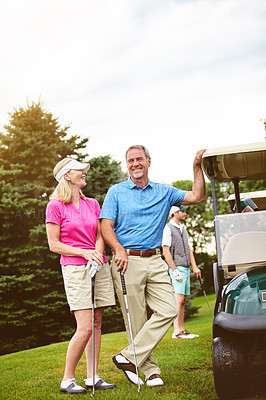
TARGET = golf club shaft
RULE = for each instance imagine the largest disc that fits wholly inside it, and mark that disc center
(206, 297)
(93, 331)
(129, 325)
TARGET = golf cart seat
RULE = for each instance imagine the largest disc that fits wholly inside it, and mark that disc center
(244, 250)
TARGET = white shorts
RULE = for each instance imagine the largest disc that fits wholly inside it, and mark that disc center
(77, 282)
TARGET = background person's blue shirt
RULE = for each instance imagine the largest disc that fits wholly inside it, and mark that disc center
(140, 214)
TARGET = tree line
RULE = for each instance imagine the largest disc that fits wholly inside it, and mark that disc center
(33, 310)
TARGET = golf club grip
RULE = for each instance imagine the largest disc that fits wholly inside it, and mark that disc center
(123, 284)
(92, 288)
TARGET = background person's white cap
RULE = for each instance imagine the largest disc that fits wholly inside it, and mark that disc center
(73, 164)
(176, 208)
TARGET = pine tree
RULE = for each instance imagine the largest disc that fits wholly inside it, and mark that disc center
(33, 307)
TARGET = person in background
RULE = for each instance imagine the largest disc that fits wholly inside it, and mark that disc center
(133, 216)
(179, 256)
(245, 207)
(73, 231)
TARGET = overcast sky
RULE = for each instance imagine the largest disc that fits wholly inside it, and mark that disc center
(174, 75)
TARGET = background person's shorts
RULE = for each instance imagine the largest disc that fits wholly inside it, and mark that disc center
(184, 286)
(77, 282)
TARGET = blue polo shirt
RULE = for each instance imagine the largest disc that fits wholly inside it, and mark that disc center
(140, 214)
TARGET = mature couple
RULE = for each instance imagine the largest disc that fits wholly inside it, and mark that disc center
(133, 217)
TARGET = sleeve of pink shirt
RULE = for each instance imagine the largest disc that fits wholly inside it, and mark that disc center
(54, 212)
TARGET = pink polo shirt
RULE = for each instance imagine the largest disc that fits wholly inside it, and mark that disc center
(78, 227)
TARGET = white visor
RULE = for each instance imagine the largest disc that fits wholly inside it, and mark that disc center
(74, 164)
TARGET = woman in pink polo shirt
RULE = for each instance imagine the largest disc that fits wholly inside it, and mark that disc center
(73, 231)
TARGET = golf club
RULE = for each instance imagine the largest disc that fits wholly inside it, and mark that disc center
(129, 324)
(93, 345)
(205, 297)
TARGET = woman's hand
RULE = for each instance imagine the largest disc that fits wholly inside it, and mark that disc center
(93, 256)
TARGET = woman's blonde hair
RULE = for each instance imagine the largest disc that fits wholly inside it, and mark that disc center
(62, 191)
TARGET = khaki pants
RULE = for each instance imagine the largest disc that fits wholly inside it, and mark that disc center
(147, 281)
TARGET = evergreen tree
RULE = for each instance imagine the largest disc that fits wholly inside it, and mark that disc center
(33, 307)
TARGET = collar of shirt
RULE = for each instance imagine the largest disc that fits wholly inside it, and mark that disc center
(175, 224)
(132, 185)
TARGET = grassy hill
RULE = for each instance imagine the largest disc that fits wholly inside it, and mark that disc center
(186, 367)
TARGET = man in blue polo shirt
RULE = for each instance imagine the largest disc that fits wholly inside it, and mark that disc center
(133, 216)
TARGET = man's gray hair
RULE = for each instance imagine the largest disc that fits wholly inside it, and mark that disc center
(141, 147)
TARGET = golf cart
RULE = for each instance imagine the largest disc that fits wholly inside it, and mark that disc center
(239, 325)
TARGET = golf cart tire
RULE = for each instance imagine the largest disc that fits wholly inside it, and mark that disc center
(229, 369)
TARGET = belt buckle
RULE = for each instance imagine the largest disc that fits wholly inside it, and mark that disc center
(140, 253)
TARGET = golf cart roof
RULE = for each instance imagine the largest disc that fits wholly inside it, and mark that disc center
(245, 162)
(258, 197)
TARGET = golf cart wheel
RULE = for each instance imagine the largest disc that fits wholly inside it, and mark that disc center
(229, 369)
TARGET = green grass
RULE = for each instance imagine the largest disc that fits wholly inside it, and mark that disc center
(186, 367)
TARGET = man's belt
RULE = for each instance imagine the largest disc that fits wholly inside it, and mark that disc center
(143, 253)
